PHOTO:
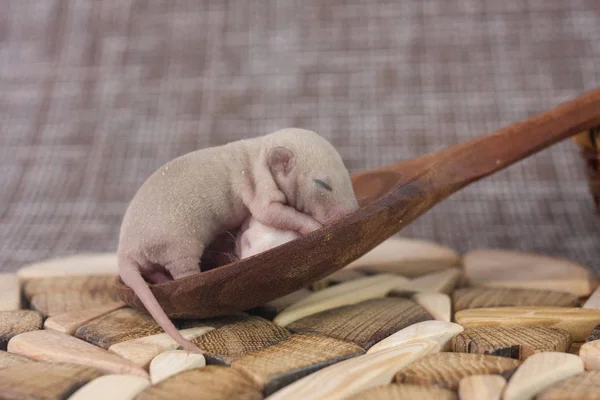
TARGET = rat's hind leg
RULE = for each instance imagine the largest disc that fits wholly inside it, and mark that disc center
(158, 277)
(182, 267)
(155, 273)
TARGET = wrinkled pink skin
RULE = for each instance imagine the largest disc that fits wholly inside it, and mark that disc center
(291, 180)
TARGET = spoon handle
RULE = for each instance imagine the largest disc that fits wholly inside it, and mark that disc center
(470, 161)
(444, 172)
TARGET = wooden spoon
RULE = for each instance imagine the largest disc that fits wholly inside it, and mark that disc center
(390, 197)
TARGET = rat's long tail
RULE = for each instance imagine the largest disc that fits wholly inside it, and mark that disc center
(131, 277)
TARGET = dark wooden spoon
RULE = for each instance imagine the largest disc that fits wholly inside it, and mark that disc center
(391, 198)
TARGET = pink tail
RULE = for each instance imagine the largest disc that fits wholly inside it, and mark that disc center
(132, 278)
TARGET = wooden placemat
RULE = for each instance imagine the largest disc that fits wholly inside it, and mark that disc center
(400, 342)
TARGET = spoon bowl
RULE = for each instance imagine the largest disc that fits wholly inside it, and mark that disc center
(390, 198)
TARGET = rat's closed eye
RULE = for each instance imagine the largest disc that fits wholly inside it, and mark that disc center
(322, 185)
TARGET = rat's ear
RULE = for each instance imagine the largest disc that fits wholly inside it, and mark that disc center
(281, 160)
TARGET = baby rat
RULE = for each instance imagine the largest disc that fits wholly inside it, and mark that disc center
(290, 180)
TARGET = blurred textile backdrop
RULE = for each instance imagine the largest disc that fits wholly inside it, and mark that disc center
(97, 94)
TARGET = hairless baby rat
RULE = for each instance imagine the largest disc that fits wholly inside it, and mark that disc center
(289, 180)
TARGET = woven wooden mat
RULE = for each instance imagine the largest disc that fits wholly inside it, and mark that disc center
(487, 323)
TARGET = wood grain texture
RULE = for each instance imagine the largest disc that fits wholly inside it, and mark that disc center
(118, 326)
(481, 387)
(15, 322)
(113, 387)
(343, 275)
(436, 331)
(58, 347)
(594, 334)
(349, 377)
(407, 257)
(7, 359)
(142, 350)
(234, 340)
(70, 321)
(519, 342)
(515, 269)
(484, 297)
(594, 300)
(365, 323)
(216, 322)
(173, 362)
(441, 282)
(463, 282)
(575, 347)
(589, 139)
(92, 283)
(55, 303)
(10, 292)
(44, 381)
(438, 305)
(590, 354)
(272, 308)
(290, 299)
(539, 372)
(208, 383)
(293, 358)
(579, 322)
(584, 386)
(445, 370)
(343, 294)
(589, 146)
(75, 265)
(390, 198)
(404, 392)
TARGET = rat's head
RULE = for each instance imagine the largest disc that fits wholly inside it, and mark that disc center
(311, 174)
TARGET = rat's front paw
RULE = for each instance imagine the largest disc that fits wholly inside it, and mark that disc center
(310, 226)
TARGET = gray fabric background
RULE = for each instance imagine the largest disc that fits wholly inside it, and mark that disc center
(96, 94)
